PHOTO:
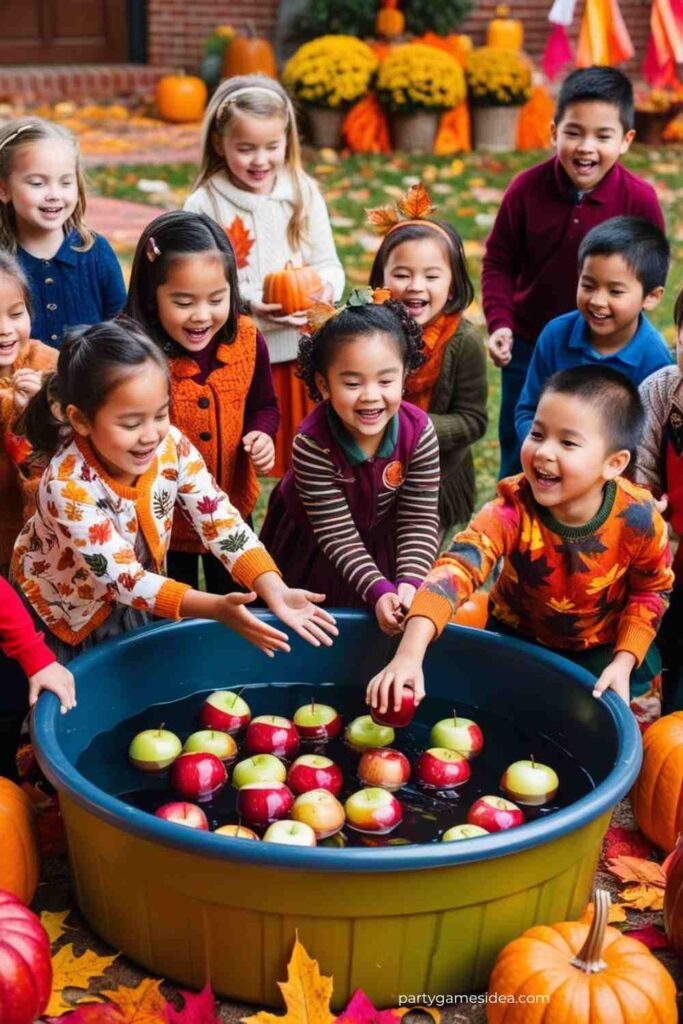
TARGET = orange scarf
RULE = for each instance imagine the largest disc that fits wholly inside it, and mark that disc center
(420, 383)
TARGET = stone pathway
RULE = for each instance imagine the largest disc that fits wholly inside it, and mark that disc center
(120, 221)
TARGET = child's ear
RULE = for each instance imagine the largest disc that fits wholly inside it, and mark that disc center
(77, 421)
(217, 143)
(4, 193)
(321, 385)
(628, 139)
(616, 463)
(654, 298)
(553, 133)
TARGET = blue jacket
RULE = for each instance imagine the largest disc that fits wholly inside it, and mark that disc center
(566, 342)
(72, 288)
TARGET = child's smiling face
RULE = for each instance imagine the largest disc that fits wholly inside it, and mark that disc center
(589, 139)
(610, 298)
(254, 149)
(42, 185)
(418, 272)
(15, 322)
(193, 303)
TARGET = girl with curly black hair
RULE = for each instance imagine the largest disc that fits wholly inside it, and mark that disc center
(357, 515)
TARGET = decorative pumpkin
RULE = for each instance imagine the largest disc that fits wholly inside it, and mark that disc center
(457, 45)
(588, 974)
(180, 98)
(249, 55)
(293, 288)
(25, 964)
(19, 850)
(655, 797)
(673, 900)
(474, 612)
(504, 33)
(389, 21)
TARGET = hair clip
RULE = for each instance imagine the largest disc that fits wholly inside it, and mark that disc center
(152, 250)
(12, 136)
(320, 312)
(415, 207)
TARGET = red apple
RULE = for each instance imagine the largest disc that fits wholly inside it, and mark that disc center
(439, 768)
(319, 809)
(317, 722)
(397, 719)
(529, 783)
(25, 964)
(313, 771)
(183, 814)
(198, 776)
(461, 734)
(225, 710)
(494, 814)
(261, 803)
(272, 734)
(235, 832)
(373, 810)
(384, 767)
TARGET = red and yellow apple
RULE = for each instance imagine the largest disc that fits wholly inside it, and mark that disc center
(152, 750)
(397, 719)
(198, 776)
(236, 832)
(212, 741)
(384, 767)
(321, 810)
(529, 783)
(314, 771)
(271, 734)
(494, 814)
(461, 734)
(373, 810)
(225, 710)
(441, 768)
(317, 722)
(183, 813)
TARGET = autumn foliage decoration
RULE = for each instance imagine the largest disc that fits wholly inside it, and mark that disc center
(414, 205)
(19, 855)
(241, 241)
(657, 805)
(293, 288)
(366, 128)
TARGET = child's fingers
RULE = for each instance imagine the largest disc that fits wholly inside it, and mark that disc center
(238, 599)
(372, 690)
(601, 685)
(385, 688)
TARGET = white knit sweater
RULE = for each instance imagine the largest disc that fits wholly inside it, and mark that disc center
(267, 217)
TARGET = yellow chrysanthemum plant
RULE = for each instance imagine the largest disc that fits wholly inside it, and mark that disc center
(497, 78)
(414, 77)
(331, 71)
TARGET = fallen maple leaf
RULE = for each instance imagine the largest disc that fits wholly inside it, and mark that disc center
(643, 897)
(241, 241)
(616, 914)
(198, 1009)
(71, 971)
(306, 993)
(53, 923)
(361, 1011)
(651, 936)
(143, 1004)
(620, 842)
(89, 1013)
(637, 869)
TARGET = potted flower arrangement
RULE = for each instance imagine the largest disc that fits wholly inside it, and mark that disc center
(416, 83)
(498, 83)
(654, 112)
(327, 76)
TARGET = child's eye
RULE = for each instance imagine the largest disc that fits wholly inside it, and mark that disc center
(570, 444)
(15, 316)
(535, 435)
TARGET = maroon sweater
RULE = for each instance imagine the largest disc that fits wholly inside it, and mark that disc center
(530, 266)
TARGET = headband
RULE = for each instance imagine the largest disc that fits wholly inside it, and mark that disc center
(320, 312)
(13, 135)
(415, 206)
(245, 89)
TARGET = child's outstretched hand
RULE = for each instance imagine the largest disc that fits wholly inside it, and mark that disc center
(261, 450)
(25, 384)
(297, 608)
(500, 346)
(58, 680)
(403, 671)
(389, 613)
(617, 676)
(232, 613)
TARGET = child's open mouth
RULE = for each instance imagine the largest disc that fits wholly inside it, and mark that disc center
(52, 212)
(369, 415)
(143, 454)
(197, 335)
(415, 306)
(585, 166)
(545, 480)
(7, 346)
(599, 318)
(260, 174)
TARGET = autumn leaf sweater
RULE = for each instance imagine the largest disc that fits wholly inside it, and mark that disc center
(569, 588)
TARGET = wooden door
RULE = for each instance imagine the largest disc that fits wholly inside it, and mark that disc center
(63, 31)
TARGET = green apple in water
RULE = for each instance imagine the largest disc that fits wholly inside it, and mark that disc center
(530, 783)
(259, 768)
(317, 722)
(364, 734)
(290, 833)
(236, 832)
(212, 741)
(461, 734)
(462, 832)
(154, 749)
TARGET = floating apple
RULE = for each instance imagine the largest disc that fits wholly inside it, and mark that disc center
(441, 768)
(387, 768)
(198, 776)
(259, 768)
(462, 832)
(212, 741)
(461, 734)
(373, 810)
(313, 771)
(530, 783)
(362, 734)
(154, 749)
(261, 803)
(225, 710)
(183, 814)
(290, 833)
(321, 810)
(235, 832)
(495, 814)
(272, 734)
(317, 722)
(397, 719)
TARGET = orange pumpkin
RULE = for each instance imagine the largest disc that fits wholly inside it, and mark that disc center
(293, 288)
(389, 21)
(504, 33)
(656, 801)
(457, 45)
(673, 900)
(249, 55)
(586, 974)
(474, 612)
(19, 851)
(180, 98)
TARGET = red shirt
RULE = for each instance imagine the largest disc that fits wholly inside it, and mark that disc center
(530, 266)
(18, 638)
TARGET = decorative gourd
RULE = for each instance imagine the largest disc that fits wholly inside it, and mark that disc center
(248, 55)
(389, 21)
(655, 797)
(19, 850)
(25, 964)
(180, 98)
(293, 288)
(673, 900)
(474, 612)
(588, 974)
(504, 33)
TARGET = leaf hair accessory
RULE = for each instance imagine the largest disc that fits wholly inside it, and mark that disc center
(414, 207)
(152, 251)
(320, 312)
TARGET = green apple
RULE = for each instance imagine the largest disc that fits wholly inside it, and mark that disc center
(364, 734)
(462, 832)
(154, 749)
(259, 768)
(461, 734)
(225, 710)
(212, 741)
(290, 833)
(317, 722)
(530, 783)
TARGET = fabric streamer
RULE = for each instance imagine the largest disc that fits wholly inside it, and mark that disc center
(558, 49)
(604, 38)
(665, 45)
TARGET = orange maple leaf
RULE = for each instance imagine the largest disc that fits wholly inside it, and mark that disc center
(382, 218)
(317, 316)
(637, 869)
(416, 204)
(241, 241)
(66, 467)
(643, 897)
(306, 993)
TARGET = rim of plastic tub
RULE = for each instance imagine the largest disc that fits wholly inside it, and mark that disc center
(63, 776)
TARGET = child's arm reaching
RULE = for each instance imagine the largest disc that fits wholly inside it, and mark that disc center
(405, 668)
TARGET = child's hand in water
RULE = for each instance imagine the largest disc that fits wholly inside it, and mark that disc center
(617, 676)
(58, 680)
(25, 384)
(232, 613)
(261, 450)
(403, 672)
(389, 613)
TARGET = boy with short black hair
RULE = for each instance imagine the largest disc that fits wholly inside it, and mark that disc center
(586, 564)
(529, 270)
(623, 265)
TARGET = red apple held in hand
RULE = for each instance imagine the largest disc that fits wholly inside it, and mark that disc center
(236, 832)
(212, 741)
(495, 814)
(458, 832)
(290, 833)
(198, 776)
(386, 768)
(397, 719)
(373, 810)
(314, 771)
(225, 710)
(183, 814)
(25, 963)
(317, 723)
(272, 734)
(152, 750)
(262, 803)
(529, 783)
(461, 734)
(321, 810)
(440, 768)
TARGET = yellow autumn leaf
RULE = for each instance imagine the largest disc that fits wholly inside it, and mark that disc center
(53, 923)
(168, 453)
(531, 533)
(72, 492)
(600, 582)
(643, 897)
(141, 1005)
(306, 993)
(637, 869)
(562, 604)
(66, 467)
(71, 971)
(616, 913)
